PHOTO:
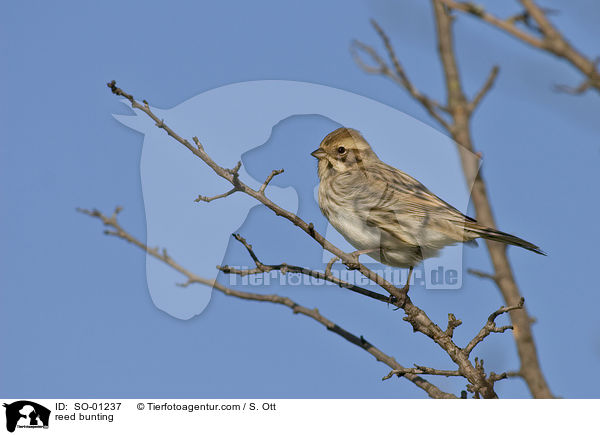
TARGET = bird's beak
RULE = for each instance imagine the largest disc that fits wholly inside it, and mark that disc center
(318, 153)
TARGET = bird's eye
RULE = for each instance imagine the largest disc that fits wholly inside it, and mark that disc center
(341, 150)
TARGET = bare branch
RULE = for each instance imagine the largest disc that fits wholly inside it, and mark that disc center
(546, 37)
(248, 247)
(426, 101)
(421, 370)
(314, 313)
(380, 67)
(490, 326)
(461, 133)
(212, 198)
(507, 25)
(398, 74)
(289, 268)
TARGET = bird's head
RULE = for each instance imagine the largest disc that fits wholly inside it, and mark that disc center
(342, 150)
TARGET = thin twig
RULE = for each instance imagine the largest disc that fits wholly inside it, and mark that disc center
(545, 37)
(330, 264)
(490, 326)
(484, 89)
(212, 198)
(274, 173)
(397, 74)
(507, 25)
(482, 274)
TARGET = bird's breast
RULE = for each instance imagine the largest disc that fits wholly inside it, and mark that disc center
(341, 211)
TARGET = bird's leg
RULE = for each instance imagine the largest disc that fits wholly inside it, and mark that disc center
(407, 285)
(356, 254)
(404, 289)
(364, 251)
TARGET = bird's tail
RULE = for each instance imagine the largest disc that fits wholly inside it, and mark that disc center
(499, 236)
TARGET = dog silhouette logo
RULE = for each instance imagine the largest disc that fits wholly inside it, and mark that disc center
(26, 414)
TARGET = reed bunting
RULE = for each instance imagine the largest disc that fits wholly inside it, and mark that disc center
(388, 214)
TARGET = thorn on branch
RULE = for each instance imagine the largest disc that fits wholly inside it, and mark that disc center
(453, 323)
(235, 169)
(235, 172)
(198, 144)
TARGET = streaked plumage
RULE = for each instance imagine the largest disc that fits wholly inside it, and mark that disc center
(380, 208)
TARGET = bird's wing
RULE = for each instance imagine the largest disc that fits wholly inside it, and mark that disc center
(405, 209)
(419, 198)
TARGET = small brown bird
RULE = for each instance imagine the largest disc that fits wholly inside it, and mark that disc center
(385, 213)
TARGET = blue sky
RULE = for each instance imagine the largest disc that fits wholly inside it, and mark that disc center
(77, 316)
